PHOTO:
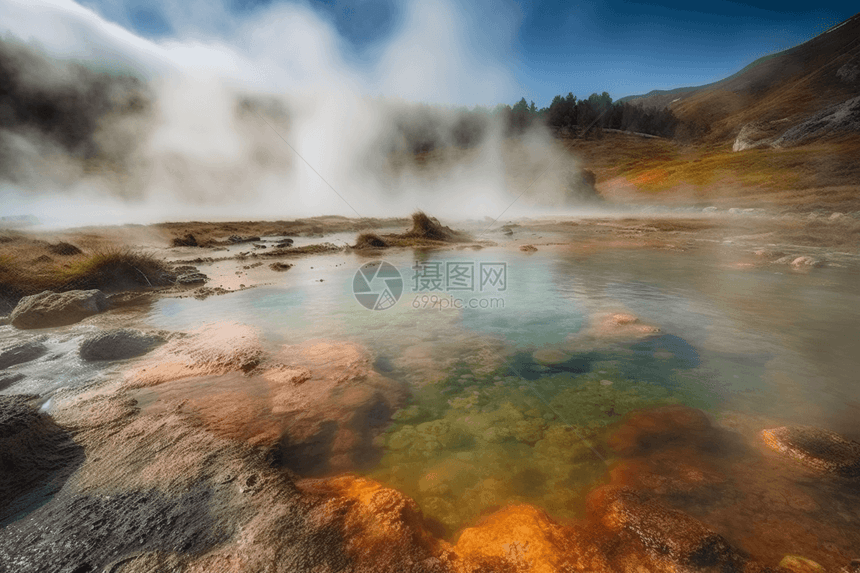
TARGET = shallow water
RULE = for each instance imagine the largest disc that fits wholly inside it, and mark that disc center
(488, 423)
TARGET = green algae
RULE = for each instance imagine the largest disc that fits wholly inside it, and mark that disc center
(481, 440)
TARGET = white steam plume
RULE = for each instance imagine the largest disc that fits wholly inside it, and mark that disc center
(222, 96)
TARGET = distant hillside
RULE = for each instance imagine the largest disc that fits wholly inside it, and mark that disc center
(777, 91)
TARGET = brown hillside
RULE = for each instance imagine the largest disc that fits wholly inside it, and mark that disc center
(791, 85)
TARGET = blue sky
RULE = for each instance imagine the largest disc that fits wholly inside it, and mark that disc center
(549, 47)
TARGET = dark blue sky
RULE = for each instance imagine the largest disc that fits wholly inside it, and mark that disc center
(554, 47)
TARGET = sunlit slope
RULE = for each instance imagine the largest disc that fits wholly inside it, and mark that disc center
(790, 85)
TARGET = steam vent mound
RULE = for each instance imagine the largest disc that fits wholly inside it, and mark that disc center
(425, 230)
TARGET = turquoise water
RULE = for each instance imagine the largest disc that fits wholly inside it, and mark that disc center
(491, 420)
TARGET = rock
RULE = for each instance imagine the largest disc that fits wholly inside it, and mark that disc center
(613, 325)
(669, 533)
(528, 540)
(280, 267)
(20, 353)
(194, 278)
(844, 116)
(756, 134)
(315, 407)
(528, 248)
(118, 345)
(212, 350)
(820, 449)
(284, 243)
(806, 262)
(797, 564)
(49, 309)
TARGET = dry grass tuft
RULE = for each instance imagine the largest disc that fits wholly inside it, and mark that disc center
(109, 270)
(114, 269)
(423, 227)
(64, 249)
(425, 232)
(369, 241)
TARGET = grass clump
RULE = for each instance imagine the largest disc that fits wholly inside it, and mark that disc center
(425, 231)
(114, 269)
(423, 227)
(64, 249)
(109, 270)
(369, 241)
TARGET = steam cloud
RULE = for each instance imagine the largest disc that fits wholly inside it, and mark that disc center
(98, 125)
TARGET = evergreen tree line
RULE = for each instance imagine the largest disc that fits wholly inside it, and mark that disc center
(578, 116)
(424, 127)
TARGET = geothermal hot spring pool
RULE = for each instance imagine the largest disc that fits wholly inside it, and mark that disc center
(514, 400)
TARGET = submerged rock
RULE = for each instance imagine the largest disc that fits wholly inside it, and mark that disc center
(118, 344)
(49, 309)
(820, 449)
(674, 537)
(550, 356)
(610, 326)
(20, 353)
